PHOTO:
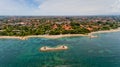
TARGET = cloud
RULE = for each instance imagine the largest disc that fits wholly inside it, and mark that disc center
(116, 6)
(59, 7)
(15, 7)
(75, 7)
(7, 5)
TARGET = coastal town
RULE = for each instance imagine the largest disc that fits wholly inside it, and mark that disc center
(55, 25)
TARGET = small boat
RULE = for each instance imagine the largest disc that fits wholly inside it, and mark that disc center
(45, 48)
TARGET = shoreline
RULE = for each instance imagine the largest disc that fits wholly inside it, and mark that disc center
(41, 36)
(106, 31)
(59, 36)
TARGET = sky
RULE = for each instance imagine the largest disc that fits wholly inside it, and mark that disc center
(59, 7)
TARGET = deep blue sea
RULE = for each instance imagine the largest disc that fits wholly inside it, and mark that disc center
(103, 51)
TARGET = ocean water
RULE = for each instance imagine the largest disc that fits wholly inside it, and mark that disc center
(103, 51)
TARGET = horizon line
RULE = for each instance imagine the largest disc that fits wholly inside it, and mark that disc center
(60, 15)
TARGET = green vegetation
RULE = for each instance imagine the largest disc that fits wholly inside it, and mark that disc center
(54, 25)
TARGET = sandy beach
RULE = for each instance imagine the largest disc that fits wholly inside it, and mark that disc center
(58, 36)
(106, 31)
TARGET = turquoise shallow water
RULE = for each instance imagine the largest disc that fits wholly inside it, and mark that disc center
(103, 51)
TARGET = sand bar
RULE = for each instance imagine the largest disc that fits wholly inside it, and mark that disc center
(46, 48)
